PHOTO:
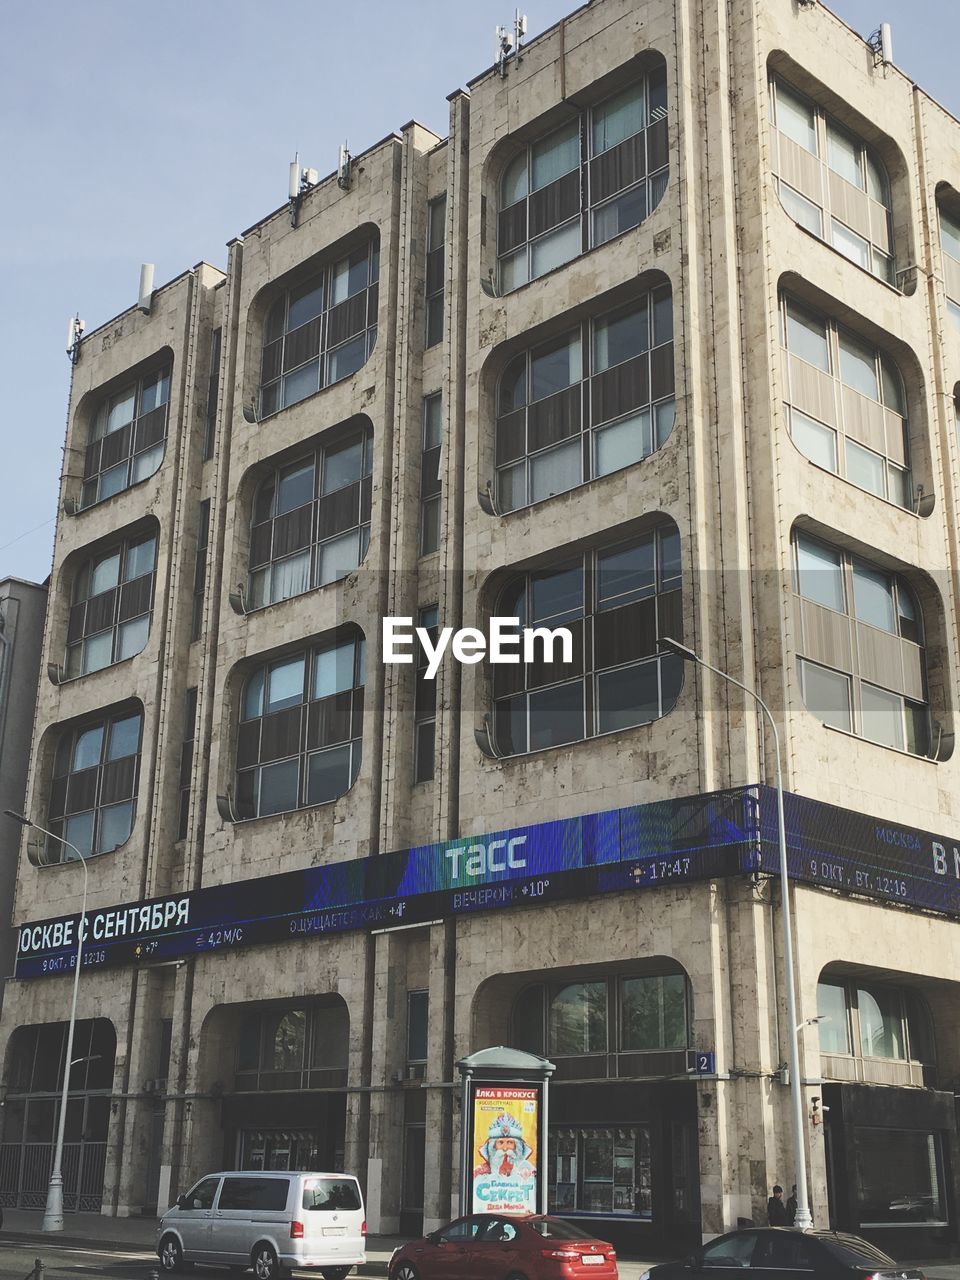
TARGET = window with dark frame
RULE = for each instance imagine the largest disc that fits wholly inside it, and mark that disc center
(596, 399)
(950, 244)
(293, 1047)
(431, 480)
(200, 570)
(301, 726)
(320, 331)
(112, 606)
(845, 402)
(94, 788)
(862, 663)
(213, 388)
(864, 1019)
(311, 519)
(830, 182)
(127, 437)
(425, 703)
(418, 1004)
(585, 183)
(617, 601)
(186, 762)
(436, 237)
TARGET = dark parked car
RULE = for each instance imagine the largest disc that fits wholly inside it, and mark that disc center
(786, 1253)
(490, 1246)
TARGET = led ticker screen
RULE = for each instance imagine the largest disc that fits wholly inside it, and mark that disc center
(642, 846)
(854, 853)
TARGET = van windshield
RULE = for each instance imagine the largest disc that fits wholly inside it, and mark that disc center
(330, 1194)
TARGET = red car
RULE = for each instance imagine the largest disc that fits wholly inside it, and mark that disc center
(490, 1246)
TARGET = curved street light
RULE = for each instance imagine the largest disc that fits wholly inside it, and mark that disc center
(53, 1213)
(803, 1217)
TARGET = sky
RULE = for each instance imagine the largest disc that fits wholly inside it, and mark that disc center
(135, 132)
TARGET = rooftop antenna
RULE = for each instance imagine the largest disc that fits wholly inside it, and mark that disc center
(881, 42)
(75, 328)
(344, 161)
(504, 48)
(145, 300)
(301, 180)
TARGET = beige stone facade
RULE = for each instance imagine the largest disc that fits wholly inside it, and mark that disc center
(734, 480)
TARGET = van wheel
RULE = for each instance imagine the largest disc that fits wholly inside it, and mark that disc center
(171, 1256)
(266, 1265)
(335, 1273)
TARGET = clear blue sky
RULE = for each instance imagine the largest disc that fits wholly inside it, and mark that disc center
(154, 133)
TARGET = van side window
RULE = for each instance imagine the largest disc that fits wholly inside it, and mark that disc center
(331, 1194)
(201, 1197)
(254, 1193)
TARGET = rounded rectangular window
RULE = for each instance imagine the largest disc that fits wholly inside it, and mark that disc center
(94, 787)
(127, 437)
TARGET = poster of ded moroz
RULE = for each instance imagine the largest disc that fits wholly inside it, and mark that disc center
(505, 1129)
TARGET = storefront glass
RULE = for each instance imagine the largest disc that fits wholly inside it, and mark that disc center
(600, 1170)
(899, 1177)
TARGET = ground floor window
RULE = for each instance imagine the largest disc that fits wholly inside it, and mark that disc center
(600, 1170)
(899, 1177)
(283, 1149)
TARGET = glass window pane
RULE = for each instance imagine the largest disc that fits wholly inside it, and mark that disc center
(812, 438)
(858, 365)
(285, 685)
(807, 337)
(843, 156)
(873, 598)
(627, 697)
(556, 716)
(877, 187)
(514, 270)
(618, 118)
(338, 557)
(796, 118)
(556, 367)
(950, 234)
(892, 386)
(556, 471)
(827, 694)
(342, 465)
(578, 1018)
(881, 1022)
(801, 209)
(124, 738)
(620, 336)
(557, 596)
(346, 359)
(899, 1179)
(654, 1013)
(553, 156)
(140, 559)
(917, 728)
(97, 652)
(116, 822)
(146, 463)
(622, 214)
(510, 719)
(623, 443)
(834, 1026)
(512, 487)
(882, 716)
(304, 382)
(417, 1009)
(279, 787)
(850, 244)
(113, 481)
(86, 752)
(290, 577)
(528, 1020)
(333, 670)
(865, 468)
(295, 487)
(121, 410)
(106, 574)
(306, 303)
(555, 249)
(669, 555)
(349, 276)
(433, 421)
(628, 573)
(132, 637)
(156, 391)
(329, 774)
(910, 622)
(78, 829)
(513, 184)
(664, 416)
(662, 316)
(819, 574)
(253, 696)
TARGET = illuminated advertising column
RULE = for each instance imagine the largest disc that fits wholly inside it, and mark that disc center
(503, 1165)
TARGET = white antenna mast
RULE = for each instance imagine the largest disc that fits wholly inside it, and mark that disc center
(145, 298)
(75, 328)
(344, 161)
(300, 182)
(881, 42)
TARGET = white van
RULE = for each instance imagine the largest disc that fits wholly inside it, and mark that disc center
(267, 1221)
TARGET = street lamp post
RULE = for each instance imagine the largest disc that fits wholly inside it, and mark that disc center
(53, 1213)
(803, 1217)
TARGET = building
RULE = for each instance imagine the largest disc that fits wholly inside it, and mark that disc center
(22, 608)
(661, 339)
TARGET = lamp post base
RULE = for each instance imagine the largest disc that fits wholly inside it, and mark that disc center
(53, 1213)
(804, 1218)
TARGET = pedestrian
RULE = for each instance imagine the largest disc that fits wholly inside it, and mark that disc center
(776, 1209)
(792, 1207)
